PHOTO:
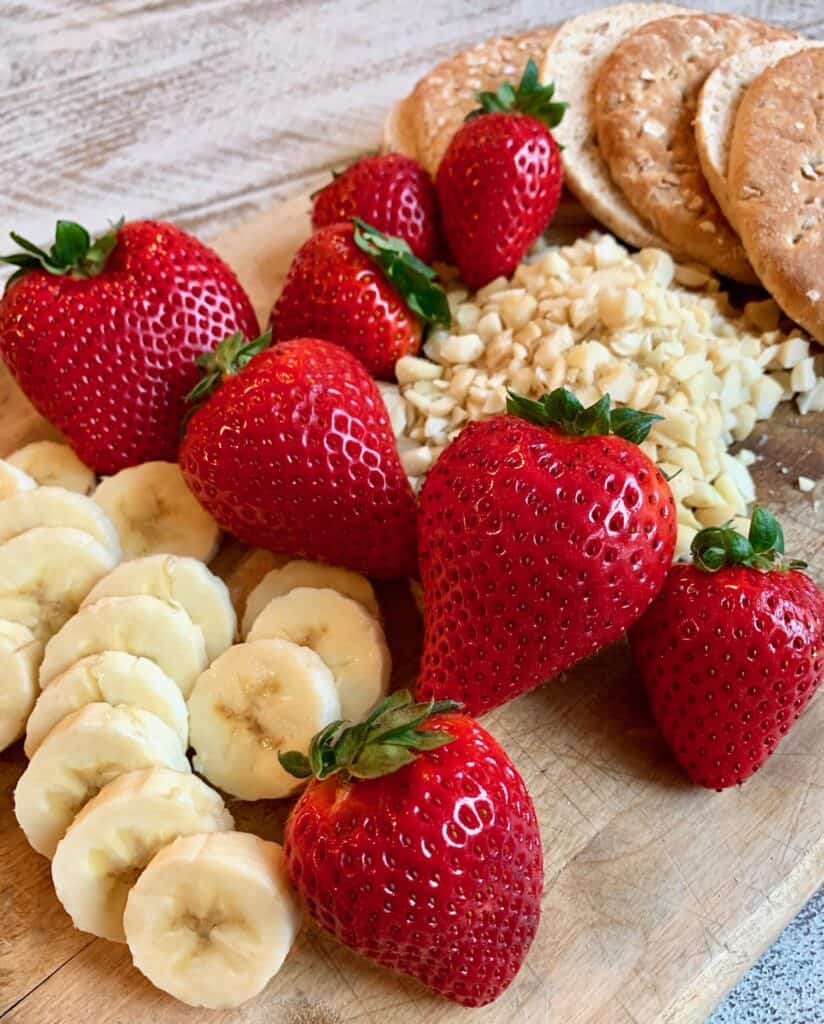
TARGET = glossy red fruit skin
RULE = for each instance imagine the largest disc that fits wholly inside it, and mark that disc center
(536, 550)
(435, 871)
(730, 660)
(108, 360)
(498, 186)
(392, 193)
(296, 453)
(336, 292)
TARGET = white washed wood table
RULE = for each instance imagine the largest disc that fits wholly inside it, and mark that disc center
(207, 112)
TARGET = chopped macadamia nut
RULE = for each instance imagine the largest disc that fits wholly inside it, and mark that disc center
(651, 333)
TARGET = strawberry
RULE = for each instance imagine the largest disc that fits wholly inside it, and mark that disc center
(544, 535)
(416, 844)
(391, 192)
(499, 182)
(102, 336)
(363, 290)
(292, 450)
(731, 651)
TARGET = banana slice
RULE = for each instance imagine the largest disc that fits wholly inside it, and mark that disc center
(141, 625)
(52, 464)
(343, 633)
(309, 574)
(115, 678)
(256, 699)
(13, 480)
(416, 590)
(180, 580)
(79, 757)
(118, 832)
(212, 917)
(156, 513)
(55, 506)
(20, 655)
(46, 572)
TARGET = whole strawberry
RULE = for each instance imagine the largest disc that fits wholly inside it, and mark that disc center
(102, 336)
(499, 182)
(292, 450)
(731, 651)
(354, 286)
(416, 844)
(544, 535)
(391, 192)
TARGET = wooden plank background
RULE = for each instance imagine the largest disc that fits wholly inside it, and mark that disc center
(205, 112)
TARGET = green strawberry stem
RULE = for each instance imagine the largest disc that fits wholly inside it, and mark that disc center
(73, 252)
(560, 408)
(230, 356)
(411, 278)
(763, 548)
(389, 738)
(529, 97)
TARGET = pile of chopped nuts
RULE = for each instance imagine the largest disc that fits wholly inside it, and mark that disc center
(651, 333)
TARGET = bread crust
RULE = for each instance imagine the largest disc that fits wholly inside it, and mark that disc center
(422, 124)
(645, 100)
(718, 103)
(776, 182)
(573, 61)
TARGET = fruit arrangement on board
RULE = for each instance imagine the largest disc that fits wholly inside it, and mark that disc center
(538, 433)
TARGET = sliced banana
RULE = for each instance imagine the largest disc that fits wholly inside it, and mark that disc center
(416, 590)
(13, 480)
(112, 677)
(141, 625)
(56, 506)
(52, 464)
(309, 574)
(348, 639)
(118, 832)
(20, 655)
(212, 917)
(46, 572)
(185, 581)
(79, 757)
(256, 699)
(156, 513)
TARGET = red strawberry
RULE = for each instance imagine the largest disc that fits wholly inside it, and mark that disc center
(416, 845)
(294, 452)
(102, 336)
(391, 192)
(499, 182)
(731, 651)
(363, 290)
(543, 536)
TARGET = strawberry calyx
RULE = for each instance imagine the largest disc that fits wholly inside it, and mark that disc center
(391, 737)
(560, 408)
(230, 356)
(73, 252)
(762, 548)
(413, 279)
(528, 97)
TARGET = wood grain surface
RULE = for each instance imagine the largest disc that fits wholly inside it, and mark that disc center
(659, 895)
(205, 112)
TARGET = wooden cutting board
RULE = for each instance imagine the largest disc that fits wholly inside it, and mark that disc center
(659, 895)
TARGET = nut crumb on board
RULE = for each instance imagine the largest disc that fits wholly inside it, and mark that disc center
(651, 333)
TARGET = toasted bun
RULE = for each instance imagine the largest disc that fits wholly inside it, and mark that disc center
(645, 100)
(718, 104)
(777, 190)
(423, 123)
(573, 61)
